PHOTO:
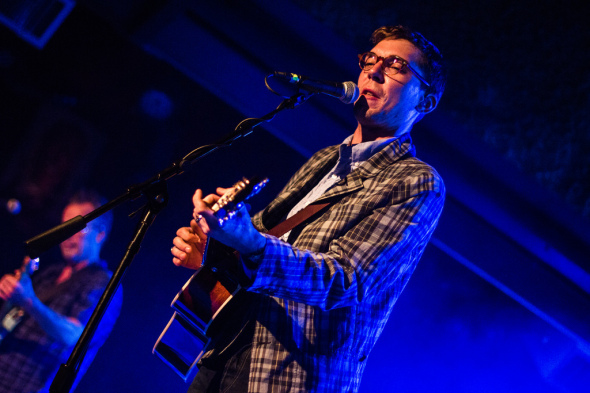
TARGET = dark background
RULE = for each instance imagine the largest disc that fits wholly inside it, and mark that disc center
(122, 89)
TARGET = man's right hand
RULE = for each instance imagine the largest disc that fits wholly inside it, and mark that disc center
(189, 246)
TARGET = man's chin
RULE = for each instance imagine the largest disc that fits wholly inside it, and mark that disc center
(70, 257)
(367, 116)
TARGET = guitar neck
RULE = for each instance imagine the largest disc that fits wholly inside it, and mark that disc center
(239, 192)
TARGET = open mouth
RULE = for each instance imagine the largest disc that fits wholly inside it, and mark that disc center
(370, 93)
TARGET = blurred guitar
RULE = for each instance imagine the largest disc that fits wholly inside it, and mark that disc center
(11, 315)
(208, 295)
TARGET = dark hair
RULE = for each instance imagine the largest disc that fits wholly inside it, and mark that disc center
(96, 200)
(431, 62)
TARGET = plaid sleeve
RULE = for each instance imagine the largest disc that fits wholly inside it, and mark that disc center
(371, 239)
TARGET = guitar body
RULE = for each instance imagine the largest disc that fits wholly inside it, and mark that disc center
(204, 303)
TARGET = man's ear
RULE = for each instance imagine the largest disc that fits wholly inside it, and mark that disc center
(428, 104)
(101, 237)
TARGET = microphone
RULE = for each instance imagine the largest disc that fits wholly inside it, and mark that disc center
(347, 92)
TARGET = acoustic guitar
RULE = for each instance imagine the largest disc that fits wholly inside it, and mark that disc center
(208, 296)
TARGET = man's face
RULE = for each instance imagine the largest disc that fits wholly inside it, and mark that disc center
(85, 244)
(389, 102)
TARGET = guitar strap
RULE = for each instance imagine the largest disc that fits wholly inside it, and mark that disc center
(309, 211)
(297, 219)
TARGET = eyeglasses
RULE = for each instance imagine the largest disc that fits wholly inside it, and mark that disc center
(391, 65)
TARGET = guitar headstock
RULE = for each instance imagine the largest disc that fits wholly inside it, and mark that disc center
(241, 191)
(29, 267)
(33, 266)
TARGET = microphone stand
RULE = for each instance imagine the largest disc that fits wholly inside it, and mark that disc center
(156, 193)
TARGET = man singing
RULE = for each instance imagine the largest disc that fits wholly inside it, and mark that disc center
(320, 295)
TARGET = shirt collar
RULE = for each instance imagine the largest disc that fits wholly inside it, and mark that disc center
(361, 152)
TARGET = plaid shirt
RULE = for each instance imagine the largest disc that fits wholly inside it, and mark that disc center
(29, 358)
(323, 298)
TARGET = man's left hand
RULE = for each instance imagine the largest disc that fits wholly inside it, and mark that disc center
(236, 232)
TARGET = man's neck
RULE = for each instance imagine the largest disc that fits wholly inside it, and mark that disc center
(369, 134)
(67, 272)
(72, 267)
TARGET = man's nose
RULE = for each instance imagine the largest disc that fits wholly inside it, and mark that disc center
(377, 73)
